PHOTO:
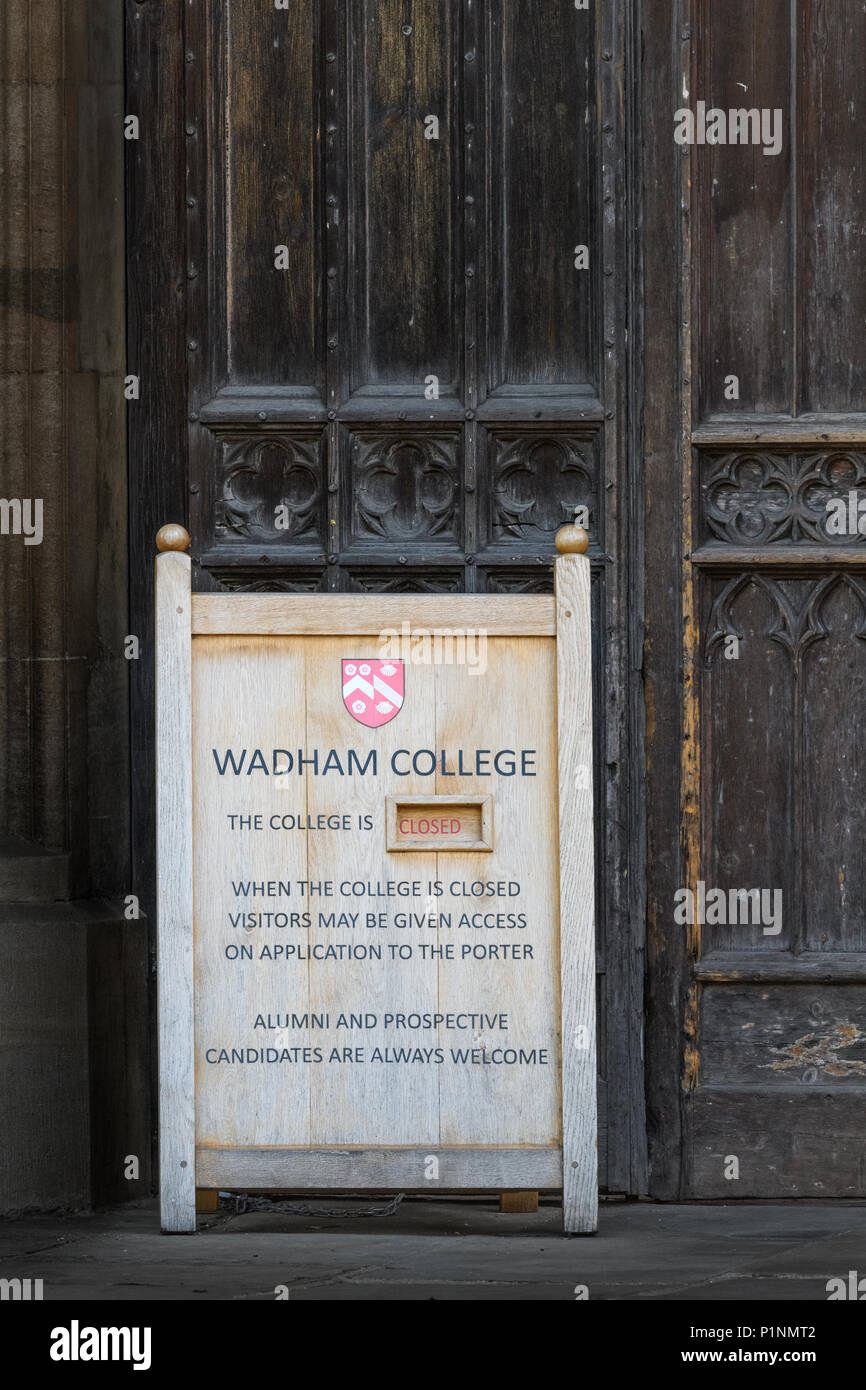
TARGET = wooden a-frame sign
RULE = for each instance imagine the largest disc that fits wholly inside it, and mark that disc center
(375, 891)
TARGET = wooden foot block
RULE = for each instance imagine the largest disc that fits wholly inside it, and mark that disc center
(518, 1201)
(207, 1199)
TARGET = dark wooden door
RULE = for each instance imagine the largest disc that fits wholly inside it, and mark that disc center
(374, 357)
(756, 612)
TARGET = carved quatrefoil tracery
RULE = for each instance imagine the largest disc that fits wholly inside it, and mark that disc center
(262, 475)
(405, 489)
(539, 484)
(759, 498)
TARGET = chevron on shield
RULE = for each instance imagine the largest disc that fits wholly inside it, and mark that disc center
(373, 691)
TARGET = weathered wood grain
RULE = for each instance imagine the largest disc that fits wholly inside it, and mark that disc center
(478, 1169)
(350, 614)
(834, 765)
(806, 428)
(369, 1101)
(511, 704)
(807, 967)
(174, 867)
(748, 810)
(540, 80)
(801, 1143)
(771, 1036)
(247, 693)
(270, 164)
(664, 369)
(576, 894)
(401, 194)
(517, 1202)
(828, 50)
(742, 201)
(784, 558)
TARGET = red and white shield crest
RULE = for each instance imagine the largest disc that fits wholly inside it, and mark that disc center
(373, 690)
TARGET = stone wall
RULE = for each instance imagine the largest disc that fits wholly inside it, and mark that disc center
(73, 972)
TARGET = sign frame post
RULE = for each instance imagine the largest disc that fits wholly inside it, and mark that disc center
(180, 616)
(576, 882)
(175, 906)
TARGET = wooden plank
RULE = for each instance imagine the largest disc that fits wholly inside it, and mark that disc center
(515, 1203)
(795, 1143)
(618, 608)
(780, 429)
(688, 638)
(345, 615)
(744, 233)
(831, 205)
(810, 967)
(779, 557)
(576, 894)
(244, 692)
(207, 1200)
(664, 61)
(269, 155)
(540, 327)
(175, 893)
(476, 1169)
(772, 1036)
(401, 205)
(370, 1101)
(510, 705)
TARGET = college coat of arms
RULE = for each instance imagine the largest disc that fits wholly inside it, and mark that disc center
(373, 690)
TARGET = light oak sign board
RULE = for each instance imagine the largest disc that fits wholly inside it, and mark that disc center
(375, 879)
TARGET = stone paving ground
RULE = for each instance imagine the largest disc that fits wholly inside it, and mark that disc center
(329, 1249)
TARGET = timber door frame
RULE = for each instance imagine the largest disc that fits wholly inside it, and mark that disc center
(166, 229)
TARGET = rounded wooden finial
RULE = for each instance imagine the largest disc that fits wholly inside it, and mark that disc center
(572, 540)
(172, 537)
